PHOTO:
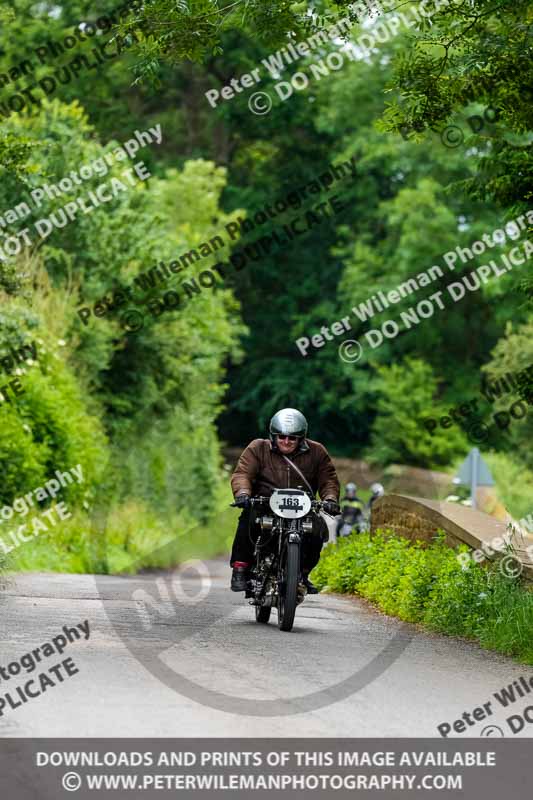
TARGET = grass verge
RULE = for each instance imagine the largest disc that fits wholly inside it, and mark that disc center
(130, 537)
(426, 584)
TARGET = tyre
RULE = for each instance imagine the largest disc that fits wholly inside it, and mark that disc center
(262, 614)
(288, 599)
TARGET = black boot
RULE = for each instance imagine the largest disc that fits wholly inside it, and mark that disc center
(311, 588)
(239, 579)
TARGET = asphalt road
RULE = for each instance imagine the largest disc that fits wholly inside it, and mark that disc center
(158, 663)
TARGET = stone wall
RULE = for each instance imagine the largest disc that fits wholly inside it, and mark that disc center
(411, 521)
(418, 519)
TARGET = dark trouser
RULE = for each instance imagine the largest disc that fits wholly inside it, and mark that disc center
(243, 547)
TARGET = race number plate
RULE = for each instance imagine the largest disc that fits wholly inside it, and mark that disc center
(290, 503)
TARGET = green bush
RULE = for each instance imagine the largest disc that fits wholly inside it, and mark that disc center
(138, 411)
(22, 459)
(131, 537)
(381, 581)
(457, 601)
(418, 579)
(428, 584)
(47, 428)
(343, 565)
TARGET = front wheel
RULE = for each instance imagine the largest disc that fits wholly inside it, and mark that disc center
(288, 598)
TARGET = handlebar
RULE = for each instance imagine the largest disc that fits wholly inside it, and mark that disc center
(316, 505)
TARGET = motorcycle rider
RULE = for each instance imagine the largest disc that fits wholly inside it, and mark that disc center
(350, 494)
(377, 491)
(352, 509)
(273, 463)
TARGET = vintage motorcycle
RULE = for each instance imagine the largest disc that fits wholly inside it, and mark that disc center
(285, 518)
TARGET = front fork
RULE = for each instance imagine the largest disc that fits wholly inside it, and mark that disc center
(292, 535)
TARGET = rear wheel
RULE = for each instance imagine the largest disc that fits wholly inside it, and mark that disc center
(262, 614)
(288, 597)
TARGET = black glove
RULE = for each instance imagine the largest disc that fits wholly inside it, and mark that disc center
(242, 501)
(331, 507)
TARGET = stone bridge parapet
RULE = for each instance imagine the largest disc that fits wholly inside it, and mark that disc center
(418, 519)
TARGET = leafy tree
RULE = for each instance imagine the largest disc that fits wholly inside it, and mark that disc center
(514, 353)
(193, 29)
(171, 372)
(406, 395)
(160, 392)
(474, 57)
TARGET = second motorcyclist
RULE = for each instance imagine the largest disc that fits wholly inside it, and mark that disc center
(352, 512)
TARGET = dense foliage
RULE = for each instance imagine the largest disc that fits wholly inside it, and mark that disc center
(121, 403)
(429, 585)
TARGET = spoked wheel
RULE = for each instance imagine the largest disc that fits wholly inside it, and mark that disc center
(262, 613)
(288, 597)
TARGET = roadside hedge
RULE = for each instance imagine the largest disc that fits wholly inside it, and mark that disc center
(427, 584)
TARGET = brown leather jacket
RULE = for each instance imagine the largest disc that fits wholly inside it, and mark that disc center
(261, 469)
